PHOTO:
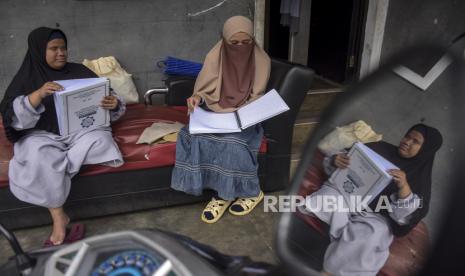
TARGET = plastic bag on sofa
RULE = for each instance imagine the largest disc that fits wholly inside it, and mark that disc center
(345, 136)
(120, 80)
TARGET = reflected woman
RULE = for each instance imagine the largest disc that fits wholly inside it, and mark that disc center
(360, 241)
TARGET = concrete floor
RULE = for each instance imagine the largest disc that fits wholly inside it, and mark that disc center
(251, 235)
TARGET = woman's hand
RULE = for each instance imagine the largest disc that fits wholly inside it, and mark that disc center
(49, 88)
(192, 103)
(341, 161)
(400, 178)
(109, 102)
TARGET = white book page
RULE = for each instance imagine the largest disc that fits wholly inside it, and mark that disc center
(76, 84)
(201, 121)
(381, 161)
(265, 107)
(383, 165)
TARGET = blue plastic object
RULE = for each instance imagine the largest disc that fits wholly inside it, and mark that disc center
(176, 66)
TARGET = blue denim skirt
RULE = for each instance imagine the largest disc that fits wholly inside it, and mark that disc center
(226, 163)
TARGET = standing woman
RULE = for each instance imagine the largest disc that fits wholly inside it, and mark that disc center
(235, 72)
(44, 162)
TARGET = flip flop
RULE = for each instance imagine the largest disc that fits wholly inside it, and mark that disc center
(74, 233)
(77, 232)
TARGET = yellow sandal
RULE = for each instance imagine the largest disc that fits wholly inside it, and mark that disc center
(214, 210)
(243, 206)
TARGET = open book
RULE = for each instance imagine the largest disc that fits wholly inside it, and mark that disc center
(366, 176)
(78, 105)
(265, 107)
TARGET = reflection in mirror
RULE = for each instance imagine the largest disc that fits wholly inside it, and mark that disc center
(375, 179)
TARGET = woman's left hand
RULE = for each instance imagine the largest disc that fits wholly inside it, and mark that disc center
(109, 102)
(399, 177)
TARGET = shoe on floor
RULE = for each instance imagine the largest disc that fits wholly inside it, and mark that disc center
(74, 232)
(214, 210)
(243, 206)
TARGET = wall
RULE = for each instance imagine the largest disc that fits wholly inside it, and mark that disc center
(137, 32)
(424, 22)
(421, 21)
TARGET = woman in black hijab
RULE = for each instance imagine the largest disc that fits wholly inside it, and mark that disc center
(414, 156)
(43, 161)
(360, 242)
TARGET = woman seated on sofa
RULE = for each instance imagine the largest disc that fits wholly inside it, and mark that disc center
(234, 72)
(44, 162)
(360, 240)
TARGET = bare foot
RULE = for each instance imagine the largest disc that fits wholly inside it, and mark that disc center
(60, 221)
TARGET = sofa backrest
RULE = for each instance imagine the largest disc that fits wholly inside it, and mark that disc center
(292, 81)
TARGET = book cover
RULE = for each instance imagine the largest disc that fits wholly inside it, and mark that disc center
(366, 175)
(78, 105)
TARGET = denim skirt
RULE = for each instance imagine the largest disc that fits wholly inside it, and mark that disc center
(226, 163)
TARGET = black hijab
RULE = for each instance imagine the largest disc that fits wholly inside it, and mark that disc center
(32, 74)
(418, 170)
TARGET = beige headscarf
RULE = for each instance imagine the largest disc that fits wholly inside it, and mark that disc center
(209, 82)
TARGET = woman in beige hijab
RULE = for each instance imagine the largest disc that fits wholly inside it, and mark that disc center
(235, 72)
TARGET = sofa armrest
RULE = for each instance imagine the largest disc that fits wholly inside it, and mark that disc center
(176, 91)
(154, 91)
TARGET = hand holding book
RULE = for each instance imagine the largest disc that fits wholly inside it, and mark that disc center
(192, 103)
(49, 88)
(400, 178)
(341, 161)
(109, 102)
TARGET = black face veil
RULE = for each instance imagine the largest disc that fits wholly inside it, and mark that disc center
(32, 74)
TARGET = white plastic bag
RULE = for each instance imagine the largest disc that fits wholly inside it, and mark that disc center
(345, 136)
(120, 80)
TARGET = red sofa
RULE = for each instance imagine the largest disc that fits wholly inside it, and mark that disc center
(407, 253)
(144, 180)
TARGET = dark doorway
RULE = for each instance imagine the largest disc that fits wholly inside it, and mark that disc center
(336, 38)
(276, 35)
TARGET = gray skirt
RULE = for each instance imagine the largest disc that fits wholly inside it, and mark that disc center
(359, 242)
(43, 163)
(226, 163)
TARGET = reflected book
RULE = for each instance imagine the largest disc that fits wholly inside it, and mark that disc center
(367, 174)
(78, 105)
